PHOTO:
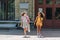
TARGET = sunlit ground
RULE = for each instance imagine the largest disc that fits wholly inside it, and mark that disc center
(14, 34)
(21, 37)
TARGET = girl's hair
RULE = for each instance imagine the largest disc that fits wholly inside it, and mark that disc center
(23, 14)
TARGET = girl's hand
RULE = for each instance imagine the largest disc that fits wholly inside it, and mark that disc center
(29, 21)
(41, 18)
(20, 24)
(34, 23)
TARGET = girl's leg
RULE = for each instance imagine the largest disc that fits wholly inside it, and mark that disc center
(40, 32)
(25, 31)
(37, 30)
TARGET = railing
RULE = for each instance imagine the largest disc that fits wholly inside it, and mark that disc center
(11, 24)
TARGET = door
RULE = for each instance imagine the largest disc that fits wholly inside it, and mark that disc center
(57, 17)
(48, 22)
(52, 12)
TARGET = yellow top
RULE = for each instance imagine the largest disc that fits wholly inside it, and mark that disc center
(39, 21)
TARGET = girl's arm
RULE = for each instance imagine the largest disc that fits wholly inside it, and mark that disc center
(28, 19)
(21, 22)
(35, 20)
(43, 14)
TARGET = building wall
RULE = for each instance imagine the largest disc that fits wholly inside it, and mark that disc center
(51, 9)
(18, 10)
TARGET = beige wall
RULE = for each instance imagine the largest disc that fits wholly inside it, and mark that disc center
(18, 10)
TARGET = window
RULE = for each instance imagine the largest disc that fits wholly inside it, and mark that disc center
(49, 2)
(2, 10)
(11, 9)
(57, 1)
(48, 13)
(40, 1)
(0, 6)
(24, 5)
(7, 13)
(57, 13)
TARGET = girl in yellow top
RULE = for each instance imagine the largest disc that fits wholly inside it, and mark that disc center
(39, 22)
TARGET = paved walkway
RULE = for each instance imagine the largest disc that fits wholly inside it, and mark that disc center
(14, 34)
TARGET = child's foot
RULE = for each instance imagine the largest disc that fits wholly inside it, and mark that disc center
(41, 36)
(26, 36)
(38, 35)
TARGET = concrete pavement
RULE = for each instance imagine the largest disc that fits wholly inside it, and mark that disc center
(14, 34)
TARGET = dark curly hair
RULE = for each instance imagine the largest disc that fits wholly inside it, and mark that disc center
(40, 13)
(23, 14)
